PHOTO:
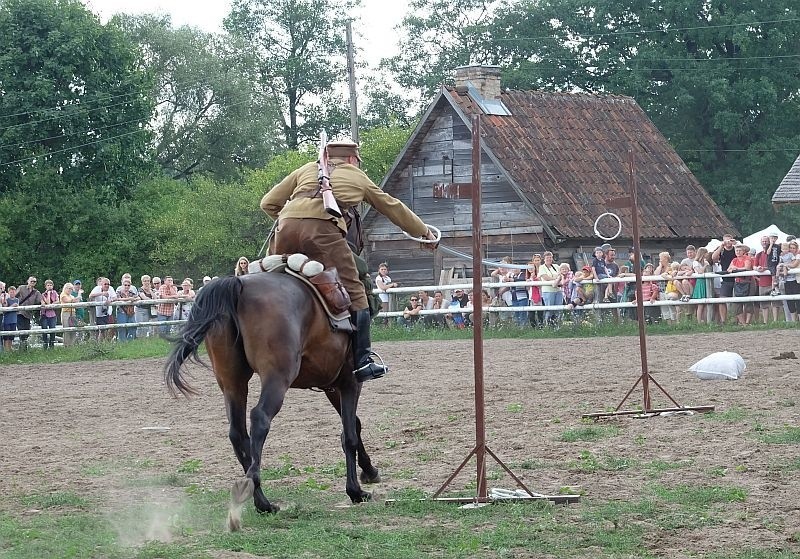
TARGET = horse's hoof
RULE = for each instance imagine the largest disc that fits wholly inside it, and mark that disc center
(373, 477)
(269, 508)
(361, 497)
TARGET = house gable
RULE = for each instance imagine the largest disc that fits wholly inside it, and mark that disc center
(789, 190)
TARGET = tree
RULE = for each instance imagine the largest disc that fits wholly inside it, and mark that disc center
(212, 115)
(74, 106)
(439, 36)
(201, 227)
(72, 98)
(714, 77)
(300, 45)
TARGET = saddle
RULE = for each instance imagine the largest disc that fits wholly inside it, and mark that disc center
(324, 284)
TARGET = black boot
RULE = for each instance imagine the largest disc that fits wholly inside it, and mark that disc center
(365, 368)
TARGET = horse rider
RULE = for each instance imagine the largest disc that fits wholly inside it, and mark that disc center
(304, 226)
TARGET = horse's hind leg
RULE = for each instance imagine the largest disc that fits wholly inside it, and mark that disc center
(348, 402)
(369, 473)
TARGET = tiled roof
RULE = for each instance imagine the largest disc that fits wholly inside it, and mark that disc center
(568, 154)
(789, 189)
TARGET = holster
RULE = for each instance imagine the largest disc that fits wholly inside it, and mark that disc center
(330, 287)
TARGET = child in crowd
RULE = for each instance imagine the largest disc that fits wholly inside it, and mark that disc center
(600, 272)
(650, 293)
(574, 294)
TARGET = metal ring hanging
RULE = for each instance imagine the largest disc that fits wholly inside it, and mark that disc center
(436, 231)
(619, 226)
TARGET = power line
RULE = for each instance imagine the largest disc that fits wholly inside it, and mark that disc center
(72, 148)
(110, 98)
(63, 115)
(14, 144)
(646, 31)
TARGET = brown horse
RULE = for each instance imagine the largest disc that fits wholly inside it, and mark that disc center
(270, 324)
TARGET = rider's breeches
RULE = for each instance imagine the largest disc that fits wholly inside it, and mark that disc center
(323, 241)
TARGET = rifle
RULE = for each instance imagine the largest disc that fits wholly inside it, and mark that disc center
(324, 180)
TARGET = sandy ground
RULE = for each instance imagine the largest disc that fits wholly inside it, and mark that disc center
(62, 423)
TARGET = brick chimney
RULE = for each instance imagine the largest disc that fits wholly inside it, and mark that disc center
(486, 79)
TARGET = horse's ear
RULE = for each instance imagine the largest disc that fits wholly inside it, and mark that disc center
(302, 264)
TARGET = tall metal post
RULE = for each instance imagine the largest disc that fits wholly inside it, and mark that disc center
(477, 304)
(481, 449)
(637, 254)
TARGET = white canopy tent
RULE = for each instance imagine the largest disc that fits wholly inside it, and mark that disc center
(754, 240)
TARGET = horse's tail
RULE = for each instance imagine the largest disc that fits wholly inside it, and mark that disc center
(216, 304)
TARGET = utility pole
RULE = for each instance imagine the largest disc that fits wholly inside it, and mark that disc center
(351, 76)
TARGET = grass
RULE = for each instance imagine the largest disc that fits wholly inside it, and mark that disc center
(157, 347)
(588, 433)
(89, 351)
(787, 435)
(312, 524)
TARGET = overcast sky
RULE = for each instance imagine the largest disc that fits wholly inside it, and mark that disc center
(379, 17)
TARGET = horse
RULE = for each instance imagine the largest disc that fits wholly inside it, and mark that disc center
(270, 324)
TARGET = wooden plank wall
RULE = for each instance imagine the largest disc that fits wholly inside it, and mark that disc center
(443, 155)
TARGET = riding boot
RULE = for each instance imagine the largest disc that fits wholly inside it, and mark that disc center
(365, 367)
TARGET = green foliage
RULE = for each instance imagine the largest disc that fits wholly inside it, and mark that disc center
(300, 48)
(380, 148)
(213, 116)
(73, 101)
(73, 141)
(200, 227)
(439, 36)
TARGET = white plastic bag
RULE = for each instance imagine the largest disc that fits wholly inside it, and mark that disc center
(722, 365)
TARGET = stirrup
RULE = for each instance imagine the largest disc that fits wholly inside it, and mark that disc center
(371, 369)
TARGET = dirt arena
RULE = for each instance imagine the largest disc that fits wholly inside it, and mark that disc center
(62, 421)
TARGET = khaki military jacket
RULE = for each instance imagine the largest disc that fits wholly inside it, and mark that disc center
(350, 187)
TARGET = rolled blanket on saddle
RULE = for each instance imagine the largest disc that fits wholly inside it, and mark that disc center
(297, 262)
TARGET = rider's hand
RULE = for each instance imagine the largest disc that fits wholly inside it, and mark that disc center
(431, 237)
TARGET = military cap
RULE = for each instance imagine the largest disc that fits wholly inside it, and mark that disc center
(343, 148)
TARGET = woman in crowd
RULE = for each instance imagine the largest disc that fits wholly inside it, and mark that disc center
(68, 313)
(792, 283)
(126, 314)
(241, 266)
(146, 313)
(535, 295)
(48, 314)
(741, 286)
(703, 287)
(8, 299)
(664, 270)
(187, 295)
(551, 292)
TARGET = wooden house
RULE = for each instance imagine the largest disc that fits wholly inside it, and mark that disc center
(789, 190)
(550, 163)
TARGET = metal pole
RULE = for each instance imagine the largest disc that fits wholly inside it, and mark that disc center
(637, 254)
(351, 75)
(477, 304)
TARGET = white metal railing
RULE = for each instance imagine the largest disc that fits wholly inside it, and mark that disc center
(399, 290)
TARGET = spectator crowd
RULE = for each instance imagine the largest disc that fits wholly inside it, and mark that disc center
(699, 275)
(680, 288)
(153, 299)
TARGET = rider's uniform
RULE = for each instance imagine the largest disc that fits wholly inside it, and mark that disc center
(304, 226)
